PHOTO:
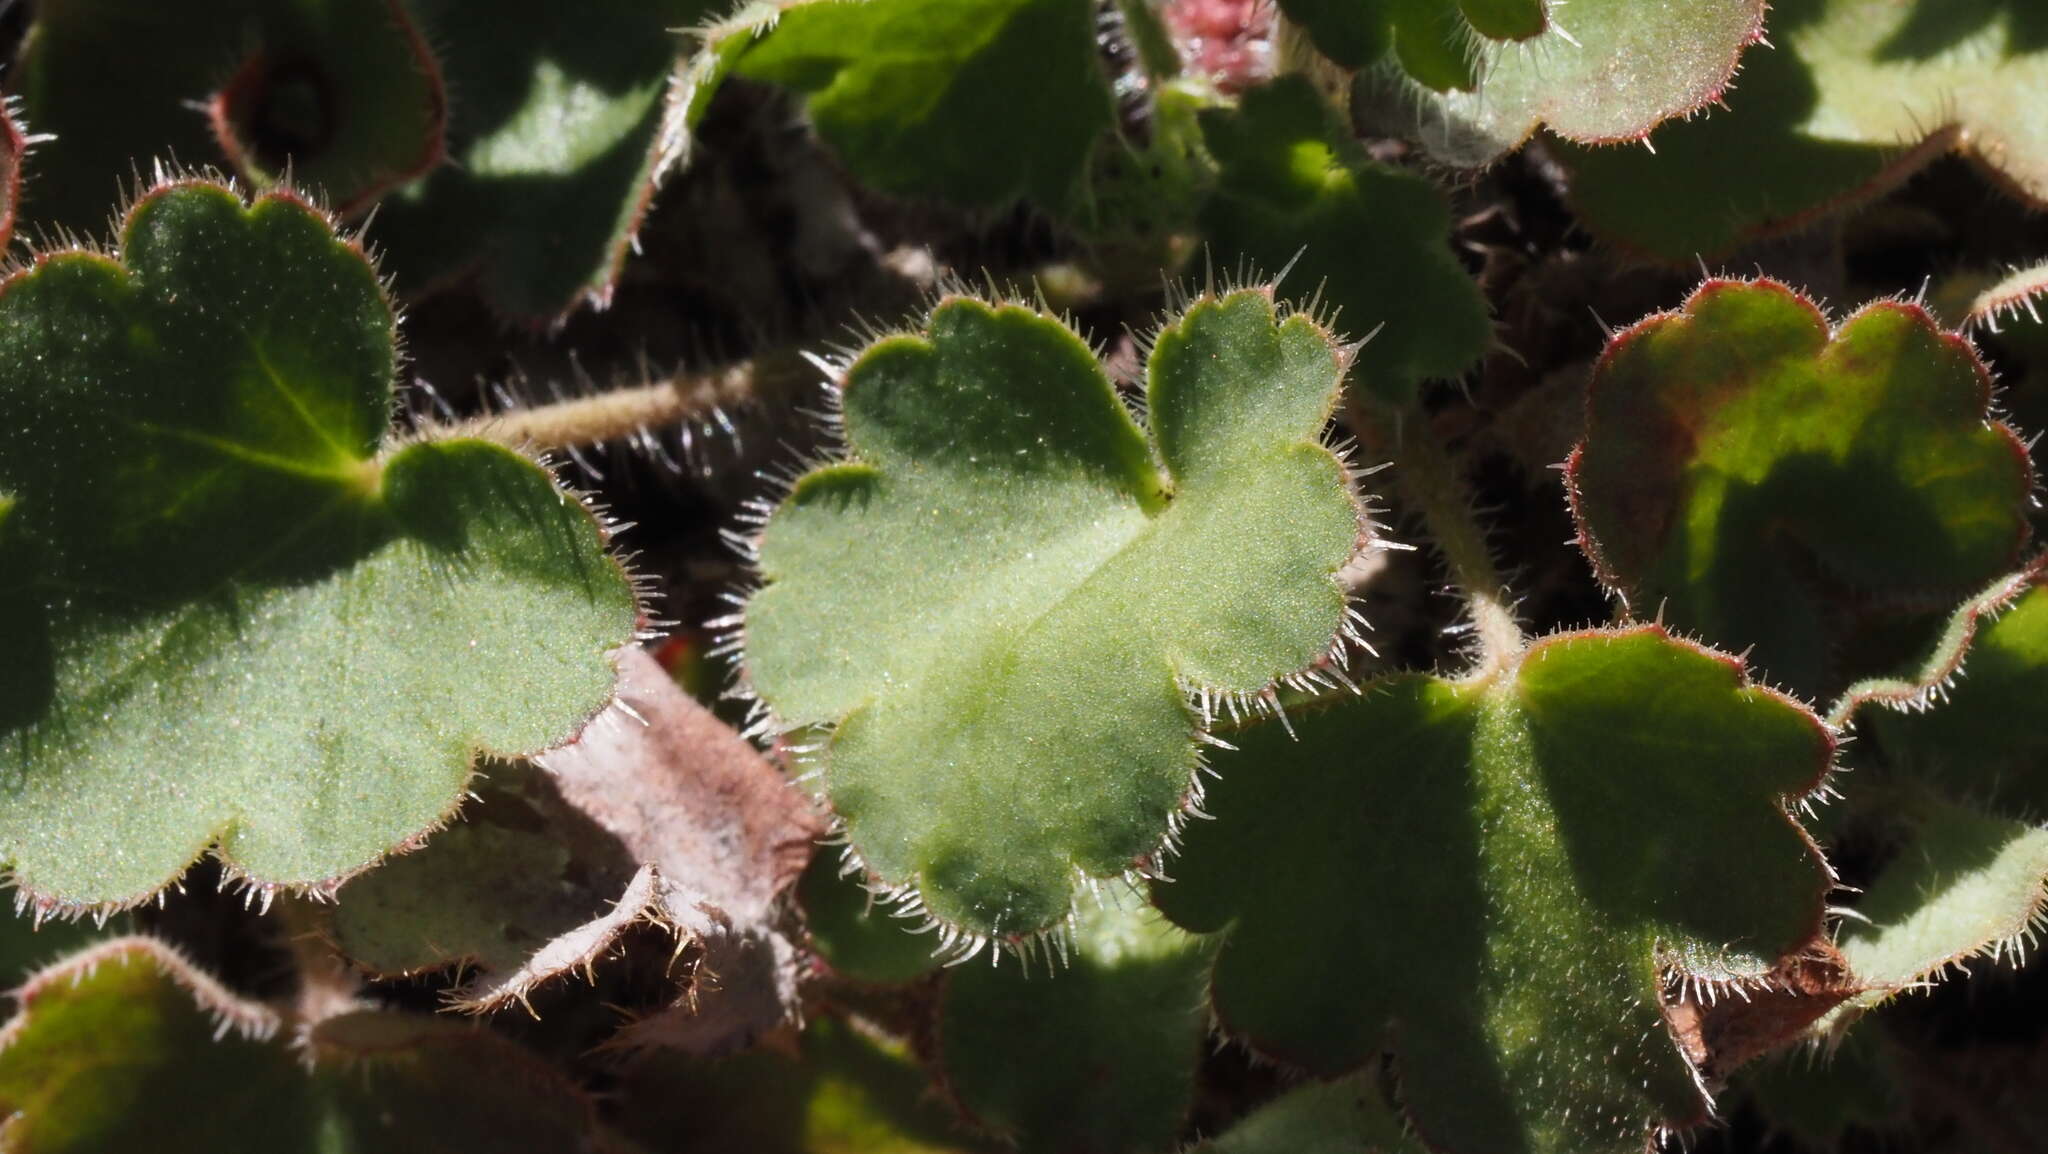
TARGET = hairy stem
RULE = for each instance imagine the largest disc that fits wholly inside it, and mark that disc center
(617, 413)
(1431, 484)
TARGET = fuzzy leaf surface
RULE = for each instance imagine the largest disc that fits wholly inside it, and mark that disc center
(127, 1047)
(1963, 883)
(662, 816)
(1373, 240)
(561, 128)
(1431, 39)
(1098, 1055)
(1605, 71)
(520, 870)
(999, 595)
(344, 91)
(250, 625)
(1857, 95)
(1983, 739)
(853, 933)
(977, 102)
(1479, 886)
(1752, 473)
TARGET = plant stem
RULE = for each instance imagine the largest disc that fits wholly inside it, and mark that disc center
(616, 413)
(1431, 484)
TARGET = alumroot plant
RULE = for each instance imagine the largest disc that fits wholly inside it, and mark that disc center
(1027, 782)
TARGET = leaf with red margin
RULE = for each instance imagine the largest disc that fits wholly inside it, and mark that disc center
(1503, 879)
(1859, 95)
(342, 93)
(13, 151)
(1760, 480)
(127, 1046)
(1604, 71)
(569, 115)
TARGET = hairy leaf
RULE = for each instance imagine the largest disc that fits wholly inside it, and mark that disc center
(127, 1047)
(251, 624)
(1981, 737)
(1431, 39)
(1751, 475)
(1606, 71)
(562, 126)
(1001, 598)
(1372, 241)
(1347, 1116)
(1858, 95)
(972, 101)
(1476, 881)
(522, 869)
(854, 934)
(344, 93)
(657, 813)
(1097, 1055)
(1962, 884)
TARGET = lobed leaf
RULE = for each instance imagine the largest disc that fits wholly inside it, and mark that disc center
(565, 122)
(1752, 475)
(250, 624)
(343, 93)
(1098, 1055)
(1001, 598)
(1371, 241)
(1858, 96)
(127, 1046)
(1480, 882)
(977, 102)
(1605, 71)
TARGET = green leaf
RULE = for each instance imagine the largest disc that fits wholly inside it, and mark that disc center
(1343, 1117)
(253, 626)
(1496, 878)
(1858, 95)
(656, 814)
(128, 1047)
(854, 937)
(343, 92)
(836, 1091)
(1605, 71)
(524, 869)
(1431, 39)
(1979, 736)
(972, 101)
(1820, 1094)
(1001, 599)
(1963, 884)
(1098, 1055)
(1751, 476)
(1371, 240)
(562, 128)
